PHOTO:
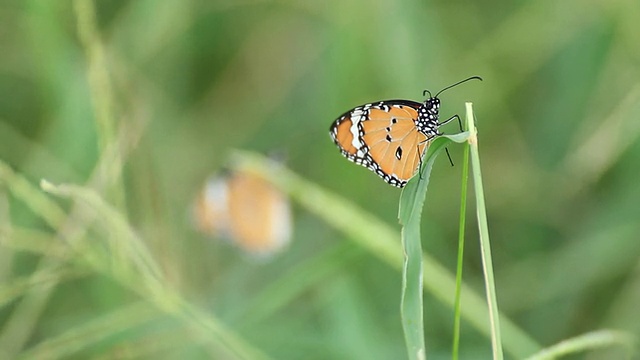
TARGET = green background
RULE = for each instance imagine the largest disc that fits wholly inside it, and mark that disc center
(558, 115)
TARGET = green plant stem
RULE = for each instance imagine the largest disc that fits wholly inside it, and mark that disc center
(411, 310)
(103, 105)
(487, 266)
(99, 82)
(17, 328)
(411, 301)
(78, 338)
(593, 340)
(463, 211)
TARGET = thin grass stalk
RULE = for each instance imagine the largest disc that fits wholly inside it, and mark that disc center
(78, 338)
(589, 341)
(463, 212)
(18, 327)
(103, 105)
(481, 211)
(99, 82)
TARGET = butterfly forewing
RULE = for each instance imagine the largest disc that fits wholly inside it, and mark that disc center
(384, 138)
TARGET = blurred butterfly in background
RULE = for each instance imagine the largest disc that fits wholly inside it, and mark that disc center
(390, 137)
(245, 209)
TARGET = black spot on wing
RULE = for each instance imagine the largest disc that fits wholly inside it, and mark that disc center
(399, 153)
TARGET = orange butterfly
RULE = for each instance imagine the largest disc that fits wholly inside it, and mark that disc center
(389, 137)
(246, 209)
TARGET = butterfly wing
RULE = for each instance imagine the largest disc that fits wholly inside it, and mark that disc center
(245, 209)
(382, 137)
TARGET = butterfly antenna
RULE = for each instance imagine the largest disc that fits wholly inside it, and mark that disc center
(458, 83)
(424, 93)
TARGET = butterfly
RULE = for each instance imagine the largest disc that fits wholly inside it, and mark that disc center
(390, 137)
(245, 209)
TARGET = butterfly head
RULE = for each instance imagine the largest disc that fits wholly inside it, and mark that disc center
(428, 112)
(431, 105)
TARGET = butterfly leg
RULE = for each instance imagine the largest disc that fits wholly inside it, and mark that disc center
(420, 158)
(449, 156)
(421, 155)
(451, 118)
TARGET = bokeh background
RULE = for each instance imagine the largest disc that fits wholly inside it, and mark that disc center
(177, 84)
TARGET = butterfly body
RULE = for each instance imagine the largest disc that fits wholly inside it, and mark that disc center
(388, 137)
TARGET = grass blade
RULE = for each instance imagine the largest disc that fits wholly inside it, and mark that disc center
(411, 203)
(92, 332)
(463, 212)
(487, 266)
(592, 340)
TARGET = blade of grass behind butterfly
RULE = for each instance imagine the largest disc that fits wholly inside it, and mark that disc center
(461, 233)
(590, 341)
(483, 229)
(411, 203)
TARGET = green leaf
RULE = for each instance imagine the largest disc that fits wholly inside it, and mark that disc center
(411, 203)
(485, 248)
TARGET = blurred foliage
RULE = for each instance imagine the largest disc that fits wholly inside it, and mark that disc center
(183, 82)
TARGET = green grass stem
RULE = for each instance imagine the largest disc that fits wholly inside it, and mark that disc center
(483, 227)
(98, 75)
(102, 98)
(461, 233)
(19, 326)
(589, 341)
(78, 338)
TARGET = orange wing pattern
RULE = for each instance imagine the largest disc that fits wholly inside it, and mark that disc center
(384, 138)
(246, 209)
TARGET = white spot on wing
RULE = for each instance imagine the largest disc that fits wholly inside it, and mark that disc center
(281, 227)
(355, 132)
(216, 198)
